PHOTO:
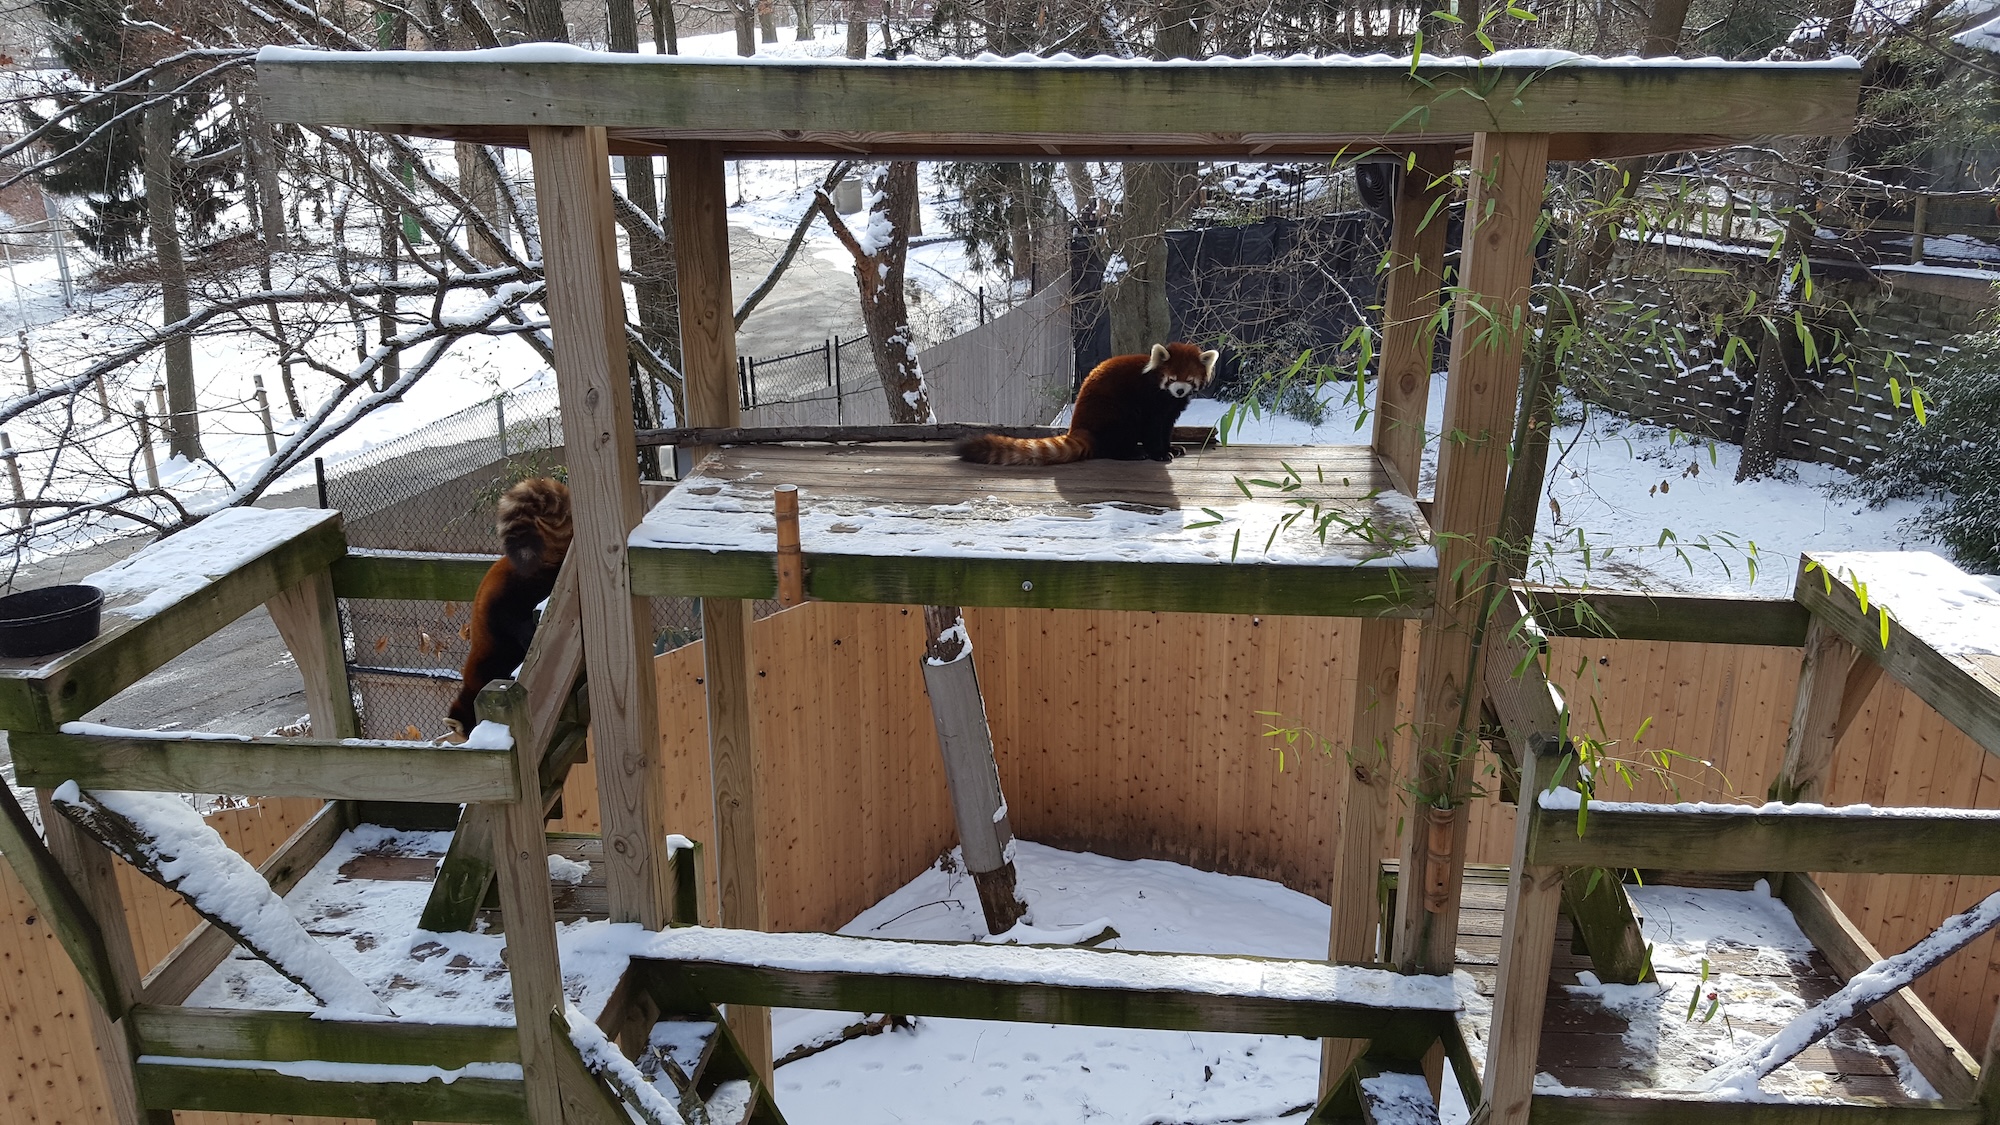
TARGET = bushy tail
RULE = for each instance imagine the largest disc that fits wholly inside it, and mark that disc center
(992, 449)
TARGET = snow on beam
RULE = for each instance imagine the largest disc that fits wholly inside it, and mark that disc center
(200, 762)
(1932, 626)
(166, 840)
(1703, 836)
(1220, 106)
(163, 600)
(688, 969)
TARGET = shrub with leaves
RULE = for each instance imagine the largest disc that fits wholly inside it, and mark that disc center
(1944, 450)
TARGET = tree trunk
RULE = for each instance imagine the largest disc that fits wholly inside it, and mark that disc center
(260, 148)
(767, 21)
(1156, 196)
(666, 33)
(884, 309)
(857, 29)
(385, 319)
(803, 11)
(654, 293)
(482, 195)
(157, 123)
(1082, 187)
(744, 14)
(545, 21)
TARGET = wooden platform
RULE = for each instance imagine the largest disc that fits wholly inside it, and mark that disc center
(1313, 530)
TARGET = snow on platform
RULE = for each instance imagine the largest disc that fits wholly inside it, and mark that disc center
(918, 499)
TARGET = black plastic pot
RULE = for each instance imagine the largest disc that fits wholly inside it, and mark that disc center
(51, 619)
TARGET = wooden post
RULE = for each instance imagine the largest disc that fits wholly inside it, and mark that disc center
(791, 565)
(308, 618)
(1918, 214)
(146, 442)
(1527, 946)
(985, 834)
(587, 316)
(1834, 681)
(708, 362)
(521, 868)
(264, 415)
(1489, 327)
(89, 869)
(1988, 1096)
(27, 361)
(1410, 308)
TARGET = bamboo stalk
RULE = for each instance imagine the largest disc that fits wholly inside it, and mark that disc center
(791, 568)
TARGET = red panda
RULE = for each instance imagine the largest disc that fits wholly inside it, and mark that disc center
(535, 532)
(1125, 410)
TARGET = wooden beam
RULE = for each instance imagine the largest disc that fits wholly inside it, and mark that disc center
(1563, 612)
(44, 693)
(1824, 671)
(399, 576)
(1905, 1017)
(60, 904)
(1410, 308)
(587, 319)
(1987, 1098)
(708, 355)
(1768, 838)
(167, 1086)
(89, 869)
(1489, 327)
(198, 954)
(951, 107)
(684, 985)
(1366, 810)
(1964, 688)
(266, 767)
(308, 618)
(1667, 1109)
(1527, 947)
(595, 1094)
(521, 868)
(1328, 591)
(253, 1035)
(703, 436)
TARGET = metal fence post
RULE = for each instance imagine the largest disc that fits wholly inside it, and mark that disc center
(500, 421)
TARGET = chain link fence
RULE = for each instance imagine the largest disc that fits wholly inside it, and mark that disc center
(437, 491)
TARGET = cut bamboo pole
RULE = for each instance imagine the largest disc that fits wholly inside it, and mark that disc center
(146, 442)
(791, 564)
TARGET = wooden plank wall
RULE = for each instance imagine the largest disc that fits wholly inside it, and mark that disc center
(1130, 734)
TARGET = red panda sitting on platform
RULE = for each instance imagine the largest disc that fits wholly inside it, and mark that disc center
(535, 532)
(1124, 411)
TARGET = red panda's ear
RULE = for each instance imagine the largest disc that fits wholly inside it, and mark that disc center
(1208, 359)
(1157, 358)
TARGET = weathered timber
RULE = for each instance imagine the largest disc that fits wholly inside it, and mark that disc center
(308, 618)
(685, 860)
(587, 320)
(294, 954)
(1563, 612)
(88, 866)
(1660, 1109)
(1964, 688)
(592, 1093)
(1903, 1016)
(60, 904)
(206, 947)
(1527, 947)
(1129, 109)
(46, 692)
(732, 769)
(1658, 837)
(686, 985)
(1987, 1098)
(1354, 1096)
(726, 1060)
(1327, 591)
(932, 431)
(1604, 919)
(521, 869)
(265, 767)
(407, 576)
(1410, 306)
(1489, 328)
(237, 1089)
(246, 1034)
(1826, 668)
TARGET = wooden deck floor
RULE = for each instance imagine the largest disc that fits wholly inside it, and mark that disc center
(1298, 529)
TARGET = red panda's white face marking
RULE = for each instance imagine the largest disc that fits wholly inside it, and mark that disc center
(1180, 382)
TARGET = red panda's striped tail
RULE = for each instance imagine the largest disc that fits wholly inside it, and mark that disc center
(992, 449)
